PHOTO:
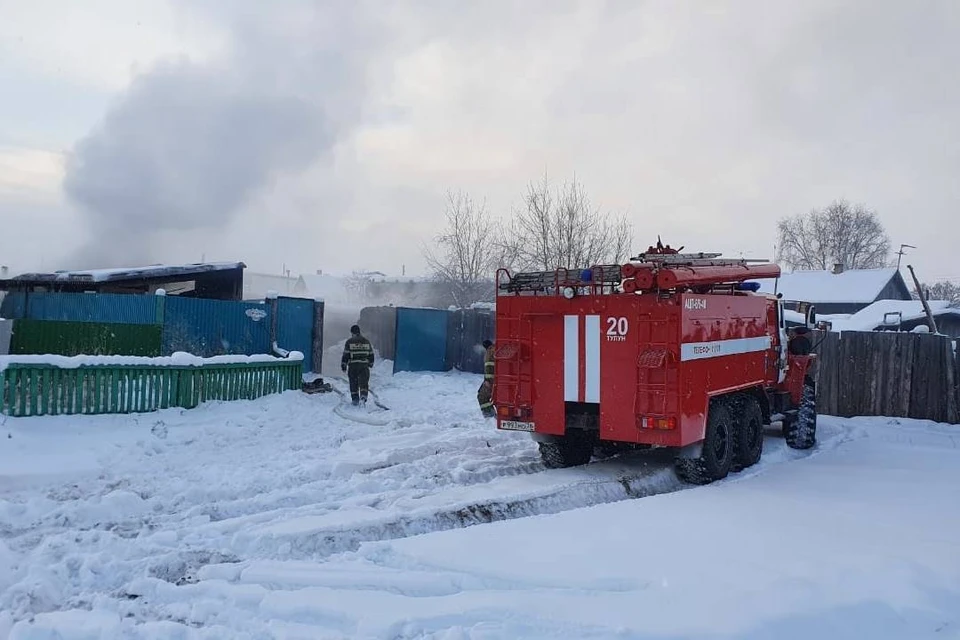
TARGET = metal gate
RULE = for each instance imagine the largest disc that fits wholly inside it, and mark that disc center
(421, 340)
(295, 326)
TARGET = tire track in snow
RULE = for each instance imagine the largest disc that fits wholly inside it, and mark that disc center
(632, 476)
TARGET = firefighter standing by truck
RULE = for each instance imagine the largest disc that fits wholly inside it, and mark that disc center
(485, 392)
(356, 362)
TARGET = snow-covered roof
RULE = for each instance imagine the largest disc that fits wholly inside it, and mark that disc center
(854, 285)
(329, 287)
(872, 317)
(401, 279)
(155, 271)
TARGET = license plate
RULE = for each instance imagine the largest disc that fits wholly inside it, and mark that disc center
(513, 425)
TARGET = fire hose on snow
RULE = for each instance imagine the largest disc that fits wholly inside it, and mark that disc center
(342, 408)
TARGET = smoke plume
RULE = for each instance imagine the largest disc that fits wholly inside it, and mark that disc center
(188, 144)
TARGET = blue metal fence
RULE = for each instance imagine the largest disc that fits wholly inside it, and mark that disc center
(295, 327)
(13, 306)
(416, 339)
(215, 327)
(200, 326)
(113, 308)
(421, 340)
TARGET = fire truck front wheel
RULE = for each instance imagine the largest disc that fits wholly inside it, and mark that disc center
(718, 449)
(571, 450)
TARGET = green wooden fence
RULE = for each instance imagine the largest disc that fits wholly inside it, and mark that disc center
(42, 389)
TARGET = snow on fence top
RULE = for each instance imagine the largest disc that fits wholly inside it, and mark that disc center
(178, 359)
(854, 285)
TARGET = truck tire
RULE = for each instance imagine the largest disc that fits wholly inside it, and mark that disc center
(717, 451)
(749, 432)
(801, 431)
(571, 450)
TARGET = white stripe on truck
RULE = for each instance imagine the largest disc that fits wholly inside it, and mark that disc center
(717, 348)
(592, 355)
(571, 358)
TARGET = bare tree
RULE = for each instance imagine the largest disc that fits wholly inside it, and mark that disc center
(360, 284)
(464, 257)
(949, 291)
(850, 235)
(560, 228)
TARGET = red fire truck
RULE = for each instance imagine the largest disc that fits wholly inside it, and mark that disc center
(669, 350)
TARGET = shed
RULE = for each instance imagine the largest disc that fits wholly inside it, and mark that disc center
(901, 315)
(839, 291)
(217, 280)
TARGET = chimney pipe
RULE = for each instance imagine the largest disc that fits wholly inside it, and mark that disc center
(4, 270)
(838, 267)
(319, 272)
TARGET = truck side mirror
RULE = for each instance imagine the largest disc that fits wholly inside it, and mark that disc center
(811, 319)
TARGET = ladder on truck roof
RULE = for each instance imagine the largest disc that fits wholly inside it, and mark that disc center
(600, 279)
(691, 260)
(660, 263)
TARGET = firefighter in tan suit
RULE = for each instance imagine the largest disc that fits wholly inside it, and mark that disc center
(485, 392)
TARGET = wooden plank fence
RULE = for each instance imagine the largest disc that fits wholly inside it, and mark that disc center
(884, 373)
(28, 389)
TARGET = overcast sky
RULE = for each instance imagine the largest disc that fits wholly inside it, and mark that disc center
(324, 135)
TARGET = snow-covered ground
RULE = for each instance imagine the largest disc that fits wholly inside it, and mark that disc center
(278, 518)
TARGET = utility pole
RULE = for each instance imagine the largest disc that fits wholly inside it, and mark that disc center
(901, 252)
(923, 300)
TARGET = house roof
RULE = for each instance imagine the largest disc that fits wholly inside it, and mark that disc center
(854, 285)
(268, 277)
(157, 272)
(330, 288)
(258, 284)
(872, 316)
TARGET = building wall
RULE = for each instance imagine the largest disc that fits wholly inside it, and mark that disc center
(256, 285)
(895, 290)
(948, 325)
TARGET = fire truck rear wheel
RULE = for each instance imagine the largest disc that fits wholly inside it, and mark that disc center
(749, 432)
(801, 432)
(717, 451)
(571, 450)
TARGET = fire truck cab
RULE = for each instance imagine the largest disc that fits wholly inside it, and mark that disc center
(669, 350)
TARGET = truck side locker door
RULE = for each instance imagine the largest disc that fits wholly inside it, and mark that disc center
(542, 361)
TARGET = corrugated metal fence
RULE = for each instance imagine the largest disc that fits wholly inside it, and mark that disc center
(126, 324)
(421, 340)
(429, 339)
(215, 327)
(114, 308)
